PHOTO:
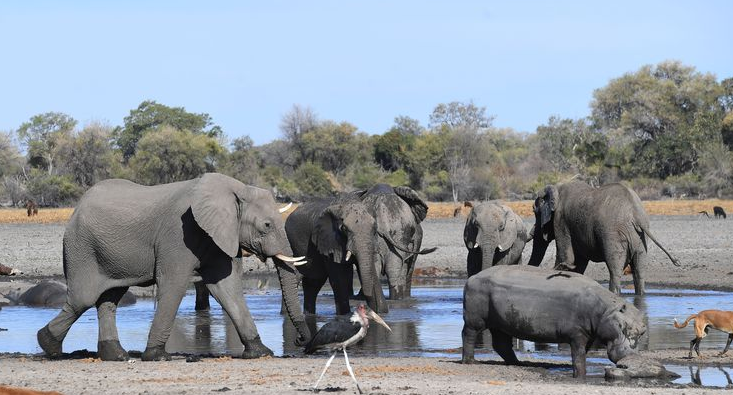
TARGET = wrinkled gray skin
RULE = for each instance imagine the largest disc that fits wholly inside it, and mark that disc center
(606, 224)
(547, 306)
(398, 212)
(53, 294)
(123, 234)
(493, 235)
(323, 231)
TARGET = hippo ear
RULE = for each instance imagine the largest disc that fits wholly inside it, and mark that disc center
(327, 235)
(215, 207)
(508, 230)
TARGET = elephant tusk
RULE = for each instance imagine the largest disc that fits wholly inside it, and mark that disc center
(348, 255)
(290, 258)
(475, 245)
(284, 209)
(299, 263)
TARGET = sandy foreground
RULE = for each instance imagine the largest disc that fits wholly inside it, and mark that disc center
(704, 246)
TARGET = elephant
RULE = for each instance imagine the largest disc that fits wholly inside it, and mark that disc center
(606, 224)
(493, 235)
(547, 306)
(398, 212)
(123, 234)
(53, 294)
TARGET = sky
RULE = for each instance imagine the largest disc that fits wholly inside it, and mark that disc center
(246, 63)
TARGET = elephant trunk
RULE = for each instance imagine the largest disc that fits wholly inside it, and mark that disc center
(369, 278)
(289, 285)
(488, 245)
(539, 247)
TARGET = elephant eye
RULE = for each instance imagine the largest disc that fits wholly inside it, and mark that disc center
(268, 224)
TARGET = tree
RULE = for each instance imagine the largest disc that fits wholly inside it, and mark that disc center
(296, 123)
(87, 157)
(243, 163)
(168, 155)
(312, 181)
(41, 136)
(655, 111)
(150, 115)
(10, 159)
(457, 114)
(390, 148)
(333, 146)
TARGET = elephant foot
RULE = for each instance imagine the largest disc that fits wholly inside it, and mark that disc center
(255, 349)
(111, 350)
(468, 361)
(155, 354)
(48, 343)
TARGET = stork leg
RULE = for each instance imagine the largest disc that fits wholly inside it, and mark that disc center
(351, 372)
(315, 387)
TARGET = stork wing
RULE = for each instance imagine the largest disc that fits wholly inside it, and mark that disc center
(332, 332)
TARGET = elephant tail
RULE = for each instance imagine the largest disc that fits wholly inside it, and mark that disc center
(646, 232)
(403, 249)
(684, 324)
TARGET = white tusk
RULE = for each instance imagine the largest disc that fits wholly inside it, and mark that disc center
(348, 255)
(299, 263)
(475, 245)
(284, 209)
(289, 258)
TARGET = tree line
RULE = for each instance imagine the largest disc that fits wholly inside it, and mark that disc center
(665, 129)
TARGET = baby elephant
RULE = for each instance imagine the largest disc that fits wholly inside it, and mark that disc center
(547, 306)
(493, 235)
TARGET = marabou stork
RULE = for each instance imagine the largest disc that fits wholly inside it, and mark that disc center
(338, 334)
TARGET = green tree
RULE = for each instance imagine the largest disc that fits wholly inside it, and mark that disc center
(87, 157)
(243, 163)
(41, 136)
(150, 115)
(312, 181)
(10, 159)
(656, 110)
(333, 146)
(169, 155)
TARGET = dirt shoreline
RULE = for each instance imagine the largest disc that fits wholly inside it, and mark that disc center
(704, 247)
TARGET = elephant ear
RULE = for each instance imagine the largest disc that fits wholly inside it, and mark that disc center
(549, 202)
(215, 207)
(508, 230)
(327, 235)
(417, 205)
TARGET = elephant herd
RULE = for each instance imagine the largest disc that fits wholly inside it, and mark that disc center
(123, 234)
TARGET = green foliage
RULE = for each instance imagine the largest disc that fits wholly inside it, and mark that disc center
(87, 157)
(397, 178)
(42, 135)
(312, 181)
(149, 116)
(333, 146)
(52, 190)
(169, 155)
(10, 159)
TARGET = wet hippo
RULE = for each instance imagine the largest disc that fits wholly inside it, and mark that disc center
(547, 306)
(53, 294)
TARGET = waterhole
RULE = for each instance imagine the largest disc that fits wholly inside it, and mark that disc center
(427, 325)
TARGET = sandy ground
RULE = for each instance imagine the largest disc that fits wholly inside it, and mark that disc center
(705, 248)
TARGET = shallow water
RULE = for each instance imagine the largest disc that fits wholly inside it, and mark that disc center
(427, 325)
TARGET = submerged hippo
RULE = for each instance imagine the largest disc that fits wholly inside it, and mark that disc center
(547, 306)
(53, 294)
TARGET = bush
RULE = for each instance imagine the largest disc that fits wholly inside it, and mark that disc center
(53, 190)
(312, 181)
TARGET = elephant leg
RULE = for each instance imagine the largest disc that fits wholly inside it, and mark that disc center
(311, 287)
(340, 276)
(393, 266)
(79, 298)
(229, 293)
(108, 342)
(502, 344)
(615, 264)
(408, 275)
(202, 296)
(638, 269)
(171, 289)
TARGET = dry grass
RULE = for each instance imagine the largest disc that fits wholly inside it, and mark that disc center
(435, 210)
(44, 216)
(652, 207)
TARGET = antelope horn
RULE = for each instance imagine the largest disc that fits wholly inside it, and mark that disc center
(284, 209)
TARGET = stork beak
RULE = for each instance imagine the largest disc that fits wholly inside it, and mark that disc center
(372, 315)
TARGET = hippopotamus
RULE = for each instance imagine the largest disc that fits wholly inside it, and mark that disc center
(548, 306)
(53, 294)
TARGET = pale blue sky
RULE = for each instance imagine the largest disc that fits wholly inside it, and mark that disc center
(247, 63)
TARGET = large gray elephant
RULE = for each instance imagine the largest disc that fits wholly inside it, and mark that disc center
(493, 235)
(606, 224)
(123, 234)
(398, 212)
(334, 234)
